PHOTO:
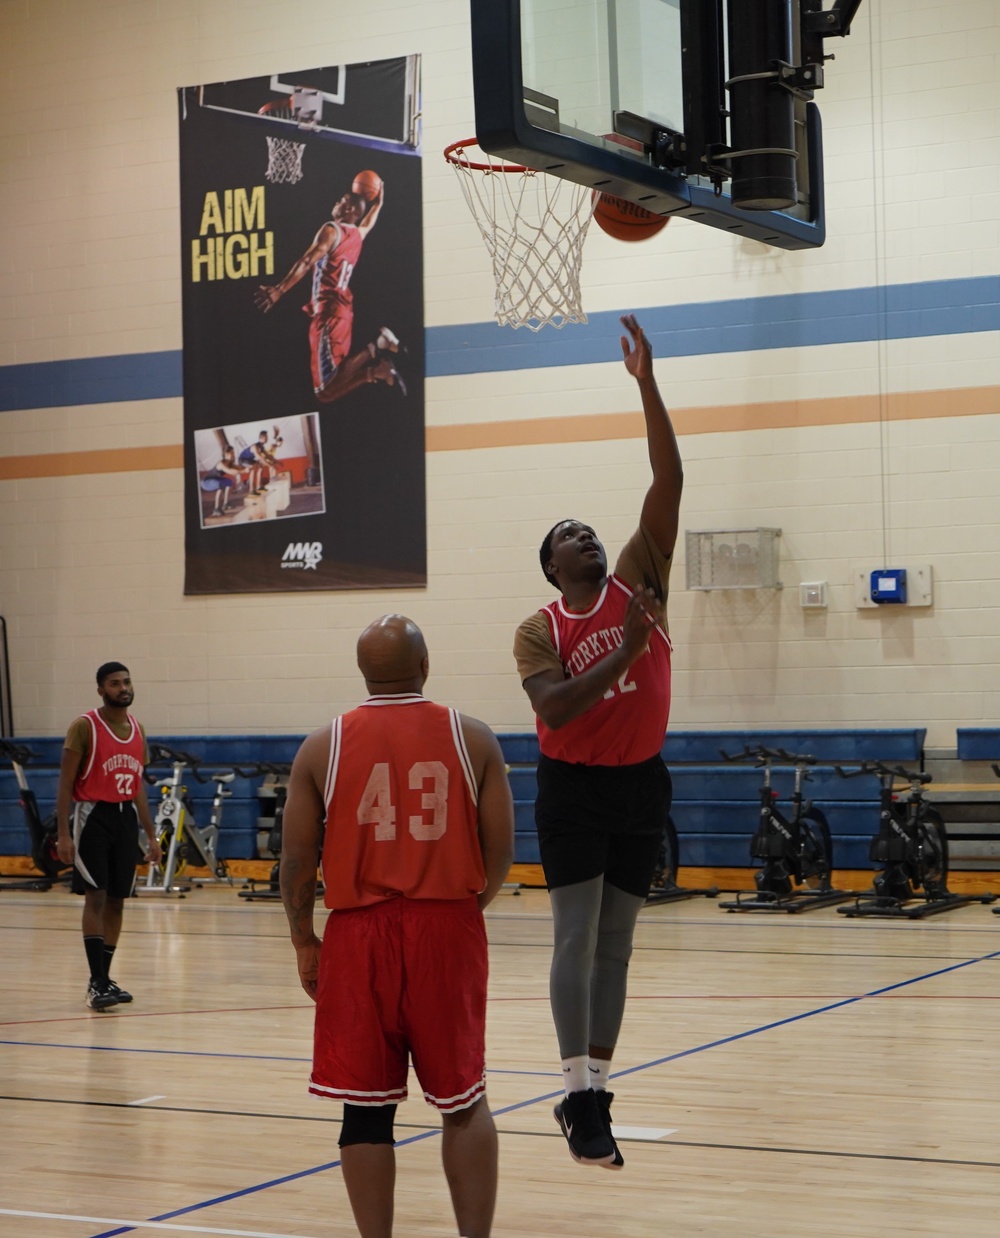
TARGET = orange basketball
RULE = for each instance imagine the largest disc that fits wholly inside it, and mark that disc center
(367, 185)
(625, 221)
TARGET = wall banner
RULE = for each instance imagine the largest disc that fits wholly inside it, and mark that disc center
(302, 261)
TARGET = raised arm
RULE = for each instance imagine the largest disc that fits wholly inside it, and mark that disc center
(372, 214)
(496, 805)
(661, 506)
(268, 295)
(302, 829)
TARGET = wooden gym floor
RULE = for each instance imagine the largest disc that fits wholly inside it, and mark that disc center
(778, 1075)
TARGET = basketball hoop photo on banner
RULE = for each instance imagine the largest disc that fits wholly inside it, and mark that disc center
(302, 261)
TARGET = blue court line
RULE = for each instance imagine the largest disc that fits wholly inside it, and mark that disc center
(746, 324)
(536, 1100)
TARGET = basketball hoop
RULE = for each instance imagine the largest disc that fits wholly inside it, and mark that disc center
(534, 227)
(284, 156)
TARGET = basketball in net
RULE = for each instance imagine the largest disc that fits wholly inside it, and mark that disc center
(534, 227)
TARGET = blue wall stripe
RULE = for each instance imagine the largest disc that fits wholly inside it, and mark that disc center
(91, 380)
(795, 320)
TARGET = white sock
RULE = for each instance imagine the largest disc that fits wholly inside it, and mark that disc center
(576, 1074)
(599, 1068)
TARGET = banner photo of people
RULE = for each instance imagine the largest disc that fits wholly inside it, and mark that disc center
(302, 261)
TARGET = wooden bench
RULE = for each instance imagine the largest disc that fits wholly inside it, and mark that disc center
(966, 792)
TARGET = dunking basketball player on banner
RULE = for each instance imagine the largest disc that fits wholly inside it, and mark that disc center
(596, 667)
(332, 257)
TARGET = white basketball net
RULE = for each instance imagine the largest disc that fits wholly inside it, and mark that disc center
(284, 161)
(534, 227)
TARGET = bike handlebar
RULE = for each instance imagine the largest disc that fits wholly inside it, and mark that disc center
(18, 754)
(160, 752)
(764, 756)
(887, 771)
(265, 767)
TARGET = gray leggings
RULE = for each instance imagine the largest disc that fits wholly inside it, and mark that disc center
(592, 924)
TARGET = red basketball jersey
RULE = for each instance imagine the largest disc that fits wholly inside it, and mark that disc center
(112, 769)
(332, 274)
(401, 805)
(628, 725)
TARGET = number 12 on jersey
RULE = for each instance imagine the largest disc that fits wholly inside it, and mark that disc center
(376, 806)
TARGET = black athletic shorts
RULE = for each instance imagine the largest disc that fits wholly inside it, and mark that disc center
(106, 837)
(601, 819)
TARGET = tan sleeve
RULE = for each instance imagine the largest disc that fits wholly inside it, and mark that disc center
(533, 648)
(78, 737)
(642, 562)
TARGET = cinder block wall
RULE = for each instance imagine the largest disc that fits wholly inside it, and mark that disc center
(849, 396)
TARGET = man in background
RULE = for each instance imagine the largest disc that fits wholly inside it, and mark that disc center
(101, 770)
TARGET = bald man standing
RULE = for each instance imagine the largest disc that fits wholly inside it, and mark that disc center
(410, 804)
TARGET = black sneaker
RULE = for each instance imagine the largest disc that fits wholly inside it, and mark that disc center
(122, 995)
(580, 1121)
(100, 996)
(604, 1100)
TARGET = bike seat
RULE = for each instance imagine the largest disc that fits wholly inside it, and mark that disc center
(223, 777)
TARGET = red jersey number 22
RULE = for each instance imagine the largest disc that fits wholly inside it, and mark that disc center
(376, 806)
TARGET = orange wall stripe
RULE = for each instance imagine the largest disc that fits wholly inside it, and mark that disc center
(80, 463)
(719, 419)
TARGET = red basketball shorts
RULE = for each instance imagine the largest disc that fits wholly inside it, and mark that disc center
(402, 979)
(329, 344)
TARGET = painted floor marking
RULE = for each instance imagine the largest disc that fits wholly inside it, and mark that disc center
(187, 1229)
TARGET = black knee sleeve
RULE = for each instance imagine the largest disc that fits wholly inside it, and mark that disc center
(367, 1124)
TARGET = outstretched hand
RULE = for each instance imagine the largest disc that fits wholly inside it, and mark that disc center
(638, 358)
(266, 297)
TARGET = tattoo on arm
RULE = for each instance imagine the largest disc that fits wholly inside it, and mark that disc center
(298, 882)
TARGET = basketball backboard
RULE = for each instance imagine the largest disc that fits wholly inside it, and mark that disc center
(378, 109)
(699, 108)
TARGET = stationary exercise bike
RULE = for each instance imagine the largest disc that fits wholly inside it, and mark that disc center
(181, 840)
(664, 887)
(270, 890)
(911, 849)
(42, 833)
(794, 852)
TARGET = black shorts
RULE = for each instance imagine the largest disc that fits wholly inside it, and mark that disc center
(601, 819)
(106, 837)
